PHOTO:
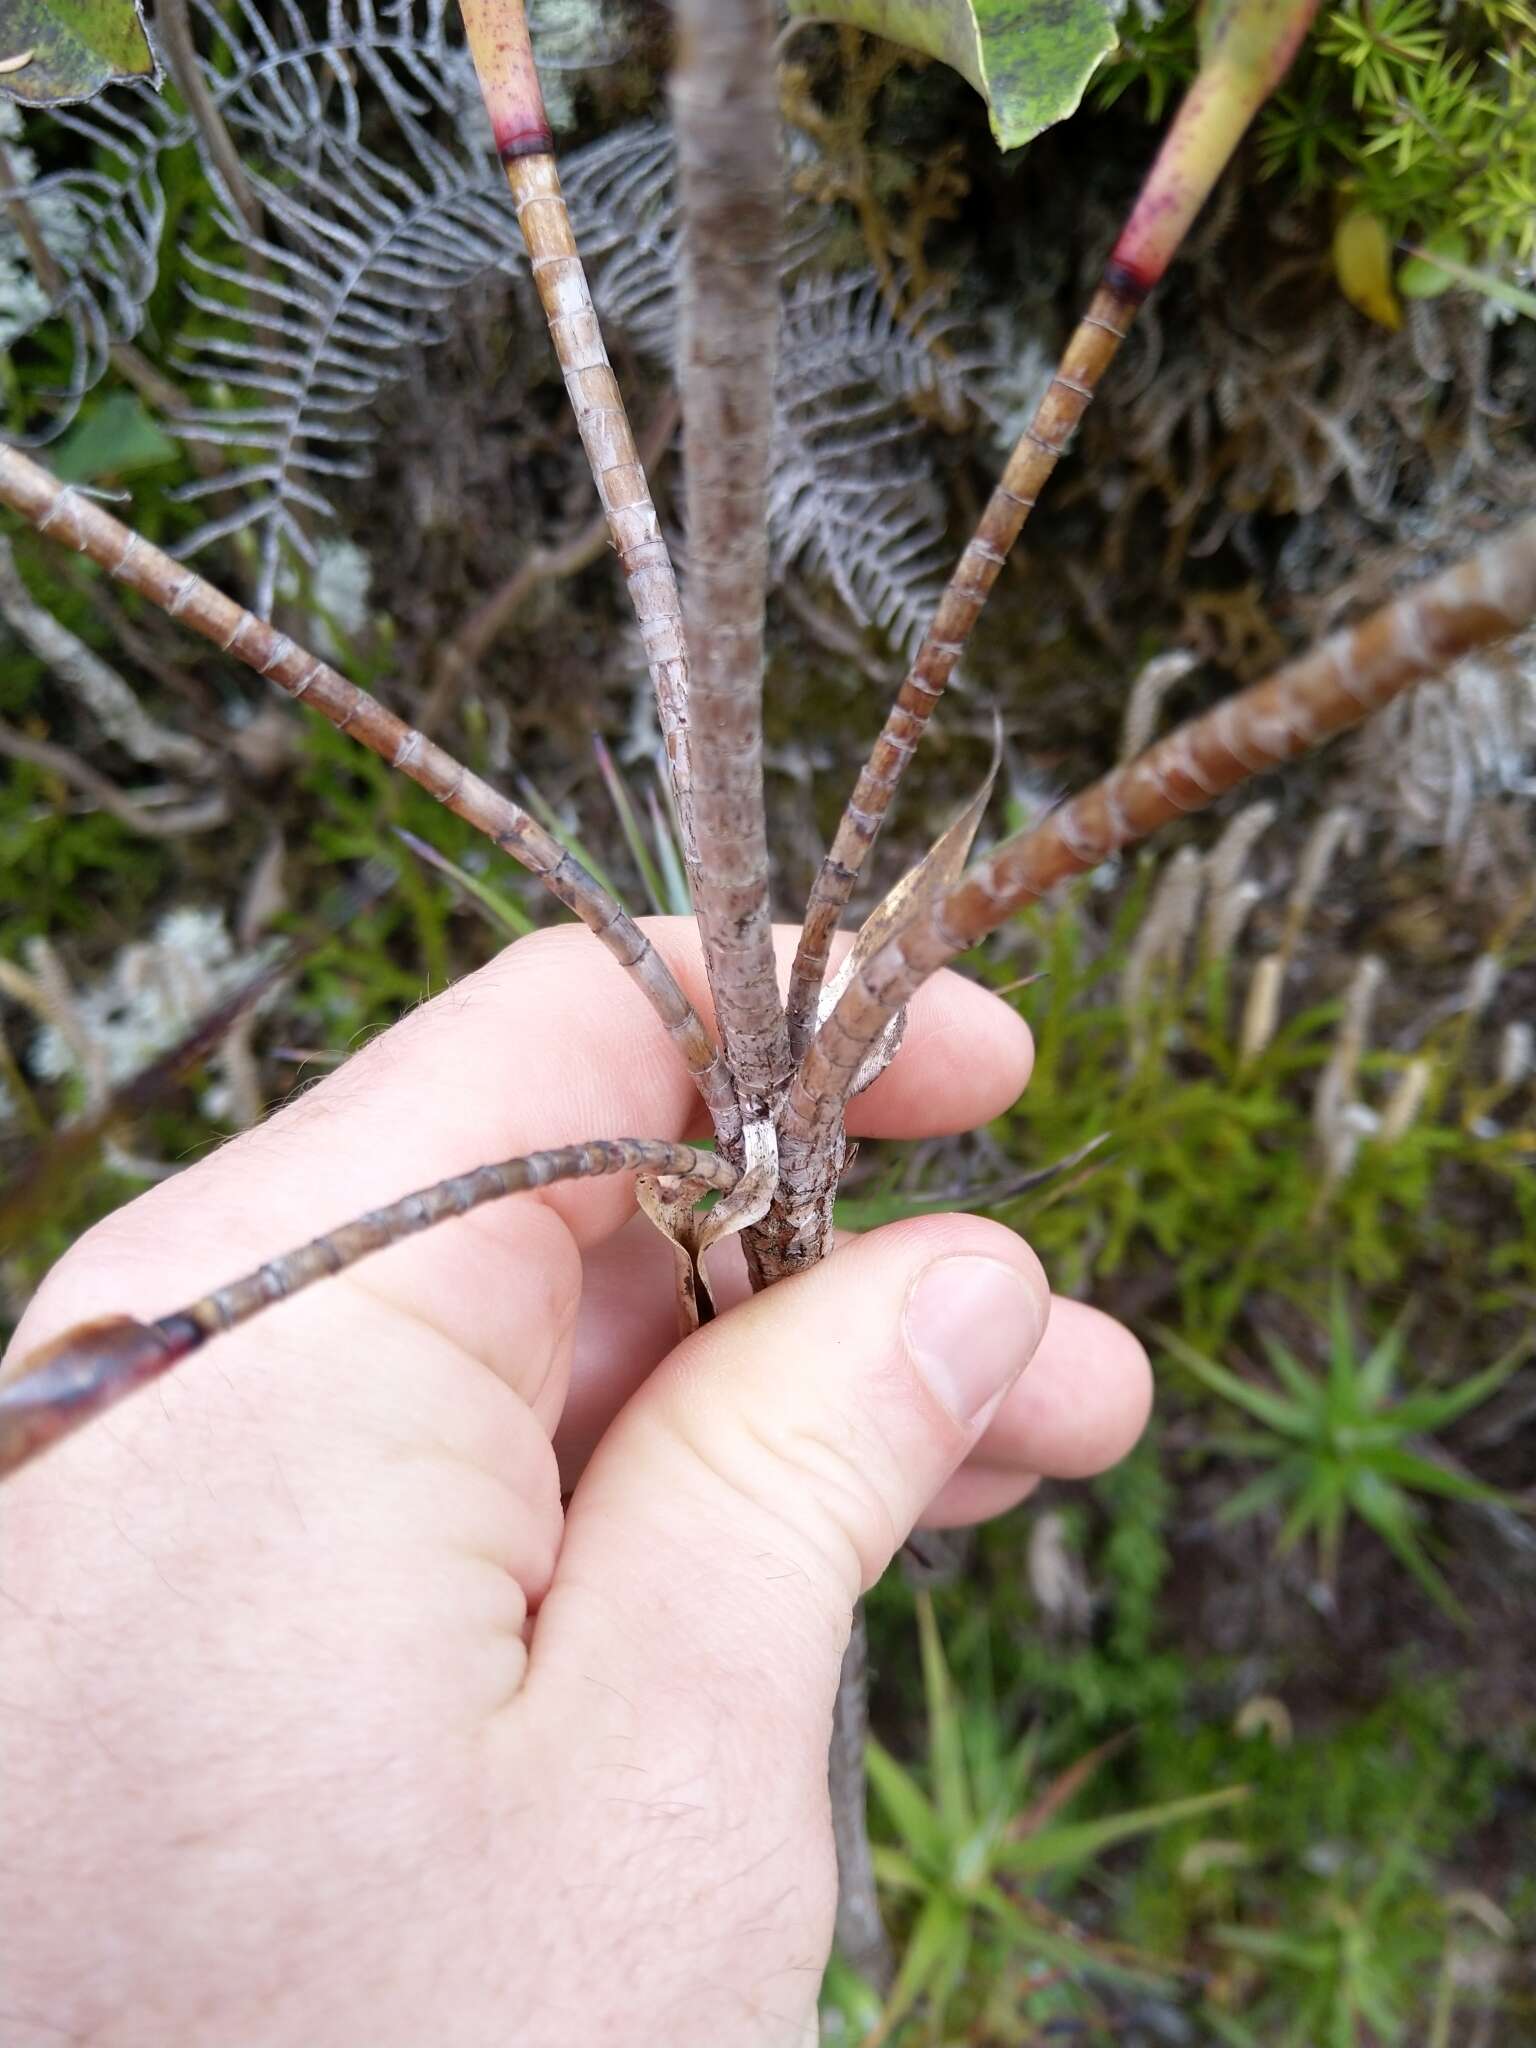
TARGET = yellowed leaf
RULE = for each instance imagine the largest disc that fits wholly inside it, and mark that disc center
(1362, 262)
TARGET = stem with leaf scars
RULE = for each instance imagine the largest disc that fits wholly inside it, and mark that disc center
(79, 522)
(1338, 685)
(497, 32)
(1246, 46)
(1035, 455)
(730, 182)
(91, 1367)
(861, 1934)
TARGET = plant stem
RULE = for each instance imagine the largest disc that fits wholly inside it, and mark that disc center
(174, 28)
(169, 821)
(93, 683)
(1039, 448)
(861, 1934)
(79, 522)
(497, 31)
(1246, 47)
(92, 1367)
(730, 183)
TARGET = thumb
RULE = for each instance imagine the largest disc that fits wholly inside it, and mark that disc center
(768, 1471)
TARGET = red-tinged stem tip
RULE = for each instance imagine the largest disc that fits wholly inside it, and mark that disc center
(527, 142)
(1247, 48)
(1127, 281)
(497, 34)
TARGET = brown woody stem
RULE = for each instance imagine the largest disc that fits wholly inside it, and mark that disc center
(730, 178)
(92, 1367)
(1339, 684)
(497, 31)
(1039, 448)
(79, 522)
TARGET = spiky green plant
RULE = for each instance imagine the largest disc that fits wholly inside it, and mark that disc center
(968, 1843)
(1345, 1443)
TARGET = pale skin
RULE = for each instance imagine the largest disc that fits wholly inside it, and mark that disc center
(324, 1724)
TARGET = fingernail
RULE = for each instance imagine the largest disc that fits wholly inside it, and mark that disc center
(972, 1325)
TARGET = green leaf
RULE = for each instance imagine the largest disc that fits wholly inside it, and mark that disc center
(1424, 1412)
(950, 1778)
(1320, 1505)
(1079, 1957)
(1378, 1375)
(1362, 262)
(896, 1872)
(1264, 1492)
(1290, 1370)
(911, 1814)
(940, 1935)
(71, 49)
(1407, 1468)
(1310, 1953)
(1484, 282)
(1029, 59)
(115, 439)
(1390, 1514)
(508, 916)
(1423, 276)
(1265, 1406)
(1076, 1841)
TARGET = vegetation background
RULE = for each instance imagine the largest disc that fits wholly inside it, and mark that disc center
(1238, 1744)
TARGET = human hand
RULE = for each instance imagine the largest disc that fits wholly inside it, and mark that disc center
(322, 1724)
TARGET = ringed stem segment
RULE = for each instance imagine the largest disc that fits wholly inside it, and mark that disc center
(1035, 455)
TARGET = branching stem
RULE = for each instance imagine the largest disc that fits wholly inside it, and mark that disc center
(97, 1364)
(730, 181)
(1039, 448)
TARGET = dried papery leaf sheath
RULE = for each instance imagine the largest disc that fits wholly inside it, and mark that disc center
(1340, 683)
(79, 522)
(725, 113)
(92, 1367)
(497, 31)
(1039, 448)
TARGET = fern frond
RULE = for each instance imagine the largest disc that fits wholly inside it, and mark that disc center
(377, 213)
(362, 261)
(853, 500)
(280, 87)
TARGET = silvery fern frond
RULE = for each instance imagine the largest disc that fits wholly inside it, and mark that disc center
(361, 261)
(623, 203)
(101, 226)
(1434, 758)
(278, 85)
(853, 498)
(377, 212)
